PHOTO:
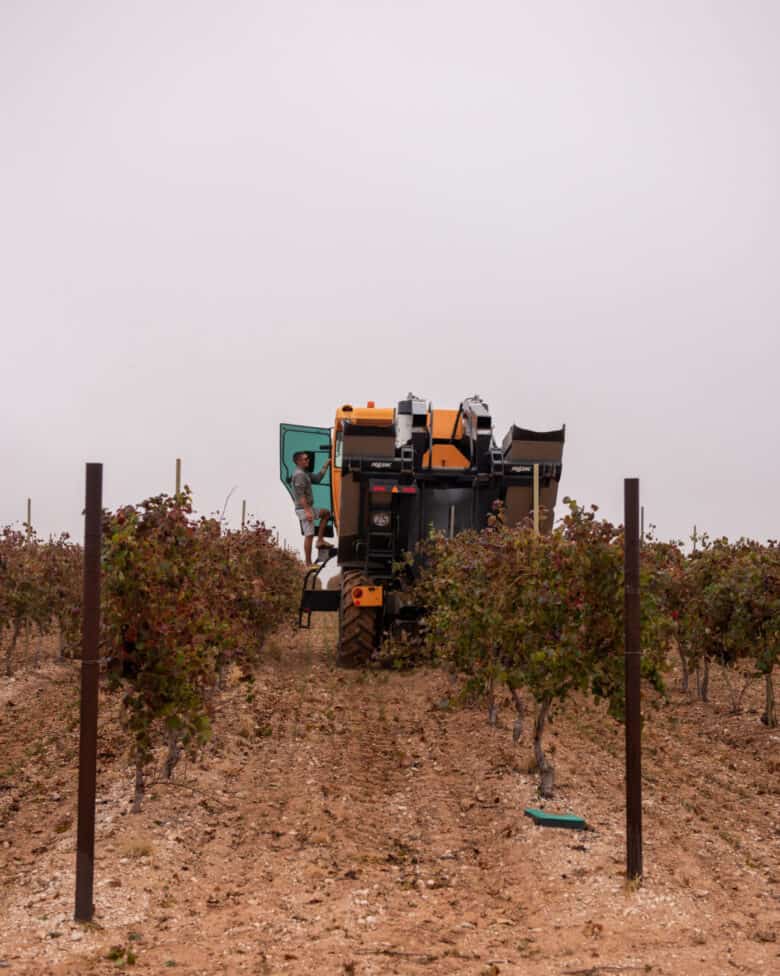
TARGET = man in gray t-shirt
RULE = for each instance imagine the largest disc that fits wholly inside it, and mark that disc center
(304, 502)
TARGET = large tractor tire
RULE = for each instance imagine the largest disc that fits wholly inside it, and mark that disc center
(357, 625)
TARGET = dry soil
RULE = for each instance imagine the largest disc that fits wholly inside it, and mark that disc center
(357, 823)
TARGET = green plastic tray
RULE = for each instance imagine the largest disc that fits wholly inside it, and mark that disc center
(543, 819)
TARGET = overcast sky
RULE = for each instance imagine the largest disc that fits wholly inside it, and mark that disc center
(216, 216)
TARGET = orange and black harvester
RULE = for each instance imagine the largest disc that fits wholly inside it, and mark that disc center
(397, 474)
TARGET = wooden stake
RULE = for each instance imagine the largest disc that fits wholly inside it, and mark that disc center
(178, 475)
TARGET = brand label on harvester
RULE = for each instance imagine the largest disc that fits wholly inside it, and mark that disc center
(381, 464)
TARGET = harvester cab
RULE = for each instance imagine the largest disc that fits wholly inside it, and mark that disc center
(314, 441)
(395, 476)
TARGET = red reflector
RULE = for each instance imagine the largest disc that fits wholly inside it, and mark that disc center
(378, 488)
(409, 490)
(357, 593)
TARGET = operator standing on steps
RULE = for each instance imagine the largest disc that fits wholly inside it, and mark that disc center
(304, 500)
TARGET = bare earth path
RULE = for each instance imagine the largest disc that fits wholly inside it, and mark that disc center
(348, 823)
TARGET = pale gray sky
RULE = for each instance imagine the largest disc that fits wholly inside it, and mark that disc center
(215, 216)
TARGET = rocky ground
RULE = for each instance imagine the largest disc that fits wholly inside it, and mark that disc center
(353, 823)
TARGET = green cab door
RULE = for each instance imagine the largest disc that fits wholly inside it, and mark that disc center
(315, 441)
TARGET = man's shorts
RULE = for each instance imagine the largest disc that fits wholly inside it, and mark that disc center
(306, 524)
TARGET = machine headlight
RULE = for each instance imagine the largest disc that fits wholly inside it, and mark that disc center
(381, 520)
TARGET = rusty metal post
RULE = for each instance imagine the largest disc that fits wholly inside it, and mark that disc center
(178, 475)
(29, 517)
(243, 514)
(633, 663)
(85, 843)
(536, 499)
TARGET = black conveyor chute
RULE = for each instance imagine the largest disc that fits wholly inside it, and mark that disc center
(523, 448)
(521, 444)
